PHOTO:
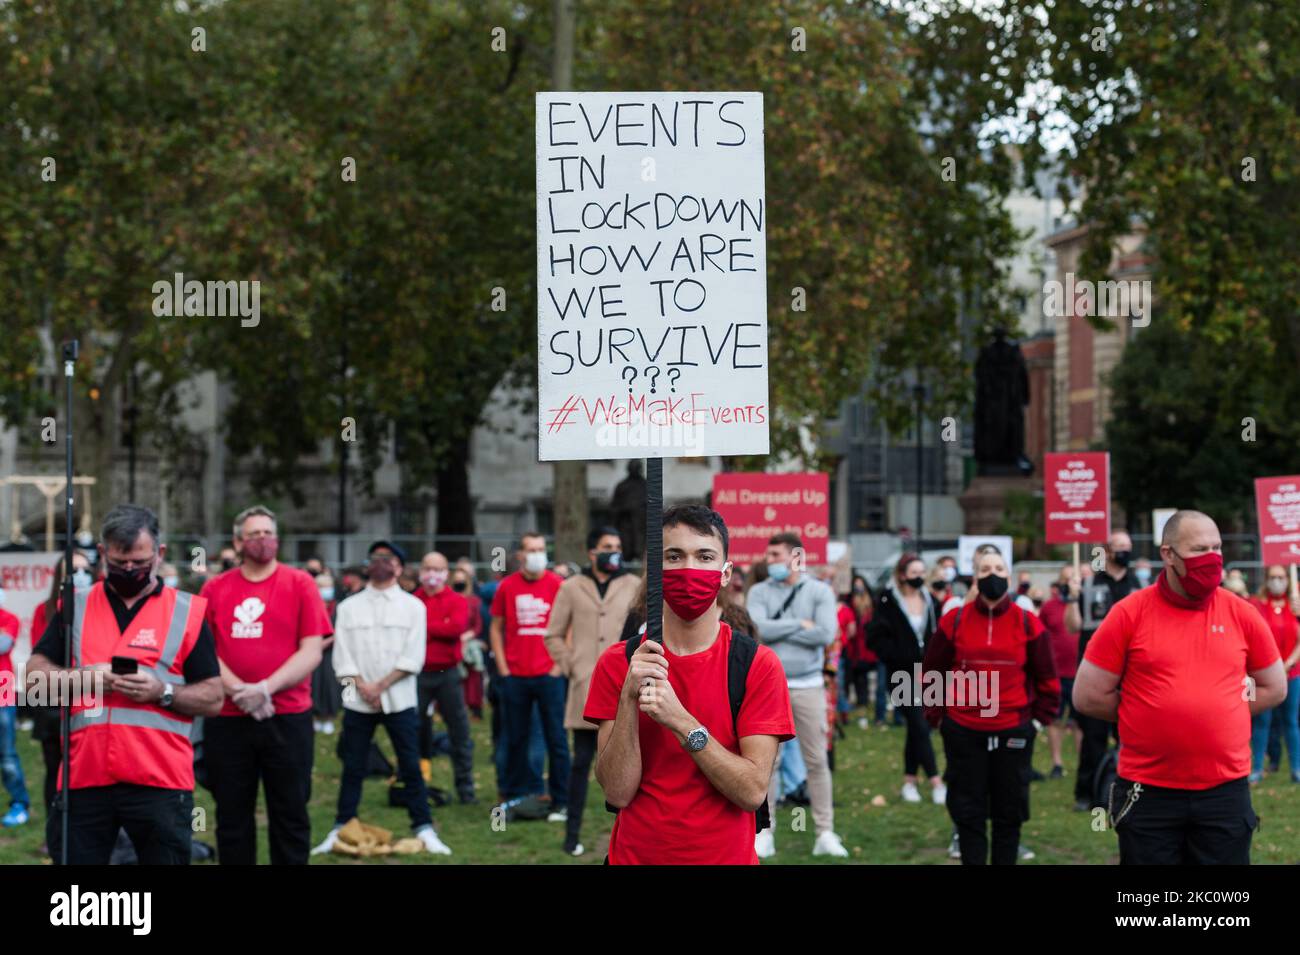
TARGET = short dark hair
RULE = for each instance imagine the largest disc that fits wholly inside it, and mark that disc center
(123, 524)
(594, 537)
(789, 538)
(699, 518)
(527, 534)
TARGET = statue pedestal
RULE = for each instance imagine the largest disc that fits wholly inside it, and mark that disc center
(984, 502)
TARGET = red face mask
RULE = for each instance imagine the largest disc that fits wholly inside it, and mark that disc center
(690, 591)
(261, 550)
(1202, 574)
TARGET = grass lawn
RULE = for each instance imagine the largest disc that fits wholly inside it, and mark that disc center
(868, 763)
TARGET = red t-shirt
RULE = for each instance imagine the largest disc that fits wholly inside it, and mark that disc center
(1282, 622)
(448, 616)
(677, 817)
(525, 605)
(1184, 721)
(258, 625)
(1065, 644)
(9, 624)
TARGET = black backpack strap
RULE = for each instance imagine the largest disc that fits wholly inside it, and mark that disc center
(788, 601)
(956, 621)
(740, 657)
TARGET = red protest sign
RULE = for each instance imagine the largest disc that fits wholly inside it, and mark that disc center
(1076, 496)
(756, 506)
(1277, 502)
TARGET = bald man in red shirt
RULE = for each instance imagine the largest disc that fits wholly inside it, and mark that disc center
(1182, 666)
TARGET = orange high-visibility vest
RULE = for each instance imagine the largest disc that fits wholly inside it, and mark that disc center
(125, 741)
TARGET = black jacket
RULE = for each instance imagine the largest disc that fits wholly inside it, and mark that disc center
(890, 635)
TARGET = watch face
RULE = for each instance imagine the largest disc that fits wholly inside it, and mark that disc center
(697, 739)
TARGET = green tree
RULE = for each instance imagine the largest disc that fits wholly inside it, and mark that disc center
(1185, 124)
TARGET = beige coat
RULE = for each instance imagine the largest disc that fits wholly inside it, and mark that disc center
(582, 626)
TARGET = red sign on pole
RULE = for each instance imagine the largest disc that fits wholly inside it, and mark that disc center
(756, 506)
(1076, 496)
(1277, 502)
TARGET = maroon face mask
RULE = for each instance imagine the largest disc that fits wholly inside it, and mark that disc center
(690, 591)
(261, 550)
(1202, 574)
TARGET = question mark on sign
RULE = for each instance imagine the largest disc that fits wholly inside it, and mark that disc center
(674, 375)
(629, 381)
(653, 378)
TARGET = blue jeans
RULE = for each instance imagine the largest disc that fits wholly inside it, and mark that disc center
(536, 747)
(10, 768)
(793, 769)
(519, 694)
(404, 730)
(1288, 713)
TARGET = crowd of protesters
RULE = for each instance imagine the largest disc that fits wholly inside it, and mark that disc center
(285, 653)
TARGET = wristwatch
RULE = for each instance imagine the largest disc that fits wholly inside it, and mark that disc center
(696, 739)
(168, 695)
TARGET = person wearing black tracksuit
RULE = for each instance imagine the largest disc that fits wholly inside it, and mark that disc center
(905, 617)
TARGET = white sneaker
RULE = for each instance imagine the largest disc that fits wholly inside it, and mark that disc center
(911, 793)
(432, 842)
(828, 844)
(328, 844)
(954, 848)
(577, 850)
(316, 725)
(327, 728)
(862, 722)
(1026, 853)
(560, 815)
(765, 844)
(939, 794)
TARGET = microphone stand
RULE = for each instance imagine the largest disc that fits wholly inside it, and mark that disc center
(70, 351)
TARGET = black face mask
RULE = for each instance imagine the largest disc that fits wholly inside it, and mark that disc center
(992, 587)
(128, 583)
(609, 561)
(916, 583)
(1122, 557)
(1063, 590)
(939, 586)
(1023, 588)
(227, 563)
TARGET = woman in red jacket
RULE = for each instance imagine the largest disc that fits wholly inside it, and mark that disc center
(988, 675)
(1279, 610)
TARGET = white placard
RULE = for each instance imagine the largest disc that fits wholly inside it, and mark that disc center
(26, 578)
(651, 275)
(967, 544)
(1159, 518)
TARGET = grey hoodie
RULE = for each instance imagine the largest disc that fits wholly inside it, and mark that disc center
(802, 651)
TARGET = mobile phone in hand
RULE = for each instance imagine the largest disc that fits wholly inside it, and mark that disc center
(125, 665)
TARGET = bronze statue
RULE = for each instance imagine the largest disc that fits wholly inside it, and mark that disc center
(1001, 394)
(628, 505)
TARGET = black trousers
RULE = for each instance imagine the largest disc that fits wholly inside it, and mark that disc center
(240, 751)
(158, 821)
(444, 688)
(1096, 738)
(584, 754)
(988, 778)
(1185, 826)
(918, 751)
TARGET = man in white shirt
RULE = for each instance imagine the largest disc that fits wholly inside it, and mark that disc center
(379, 643)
